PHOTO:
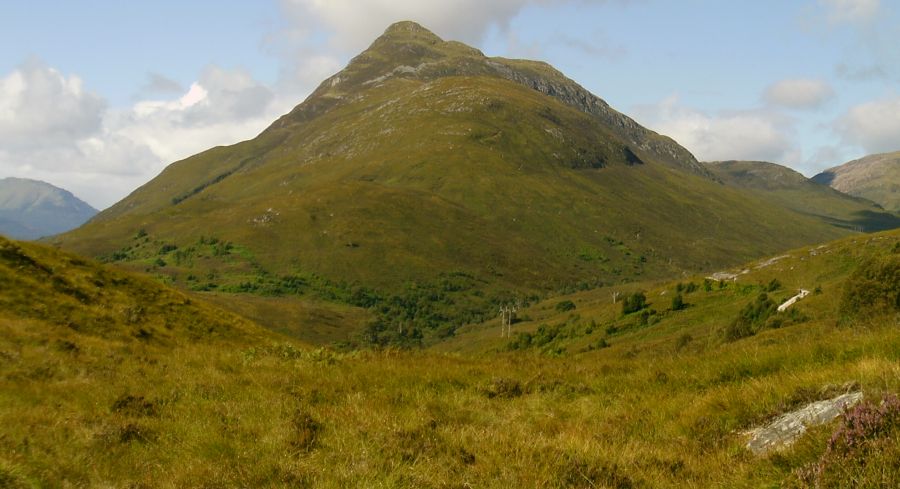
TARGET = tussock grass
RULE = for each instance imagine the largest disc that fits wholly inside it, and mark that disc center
(238, 407)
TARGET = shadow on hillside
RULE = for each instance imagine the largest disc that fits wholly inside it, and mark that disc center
(877, 221)
(866, 221)
(824, 178)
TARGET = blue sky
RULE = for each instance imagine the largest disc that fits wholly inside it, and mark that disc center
(98, 96)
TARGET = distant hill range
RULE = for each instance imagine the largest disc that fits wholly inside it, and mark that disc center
(429, 183)
(794, 191)
(874, 177)
(31, 209)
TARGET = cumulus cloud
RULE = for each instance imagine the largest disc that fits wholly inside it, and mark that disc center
(40, 107)
(354, 24)
(317, 36)
(843, 11)
(52, 128)
(799, 93)
(737, 135)
(873, 126)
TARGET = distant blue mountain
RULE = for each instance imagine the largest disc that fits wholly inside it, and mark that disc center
(31, 209)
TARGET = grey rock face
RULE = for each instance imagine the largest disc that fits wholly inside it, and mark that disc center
(784, 430)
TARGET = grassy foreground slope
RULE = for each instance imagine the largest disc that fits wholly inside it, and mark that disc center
(663, 405)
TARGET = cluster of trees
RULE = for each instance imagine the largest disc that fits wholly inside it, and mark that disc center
(634, 303)
(751, 318)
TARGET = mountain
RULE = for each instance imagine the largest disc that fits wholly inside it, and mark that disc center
(875, 177)
(30, 209)
(429, 183)
(794, 191)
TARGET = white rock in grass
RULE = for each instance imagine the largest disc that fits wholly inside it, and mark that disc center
(784, 430)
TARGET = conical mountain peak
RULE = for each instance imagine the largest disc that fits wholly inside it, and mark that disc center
(408, 29)
(408, 51)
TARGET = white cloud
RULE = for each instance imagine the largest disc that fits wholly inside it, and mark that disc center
(355, 23)
(799, 93)
(40, 107)
(52, 129)
(843, 11)
(873, 126)
(743, 135)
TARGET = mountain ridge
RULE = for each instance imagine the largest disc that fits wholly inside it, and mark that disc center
(793, 190)
(875, 177)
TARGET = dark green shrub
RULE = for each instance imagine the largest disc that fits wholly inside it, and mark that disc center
(565, 306)
(644, 318)
(633, 303)
(167, 248)
(678, 303)
(752, 318)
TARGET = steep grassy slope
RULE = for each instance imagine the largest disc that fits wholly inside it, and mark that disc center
(425, 164)
(796, 192)
(875, 177)
(663, 406)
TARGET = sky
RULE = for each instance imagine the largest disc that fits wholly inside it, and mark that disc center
(98, 96)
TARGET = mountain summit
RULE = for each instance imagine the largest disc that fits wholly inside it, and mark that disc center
(874, 177)
(407, 50)
(426, 169)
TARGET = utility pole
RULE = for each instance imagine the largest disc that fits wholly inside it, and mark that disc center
(507, 313)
